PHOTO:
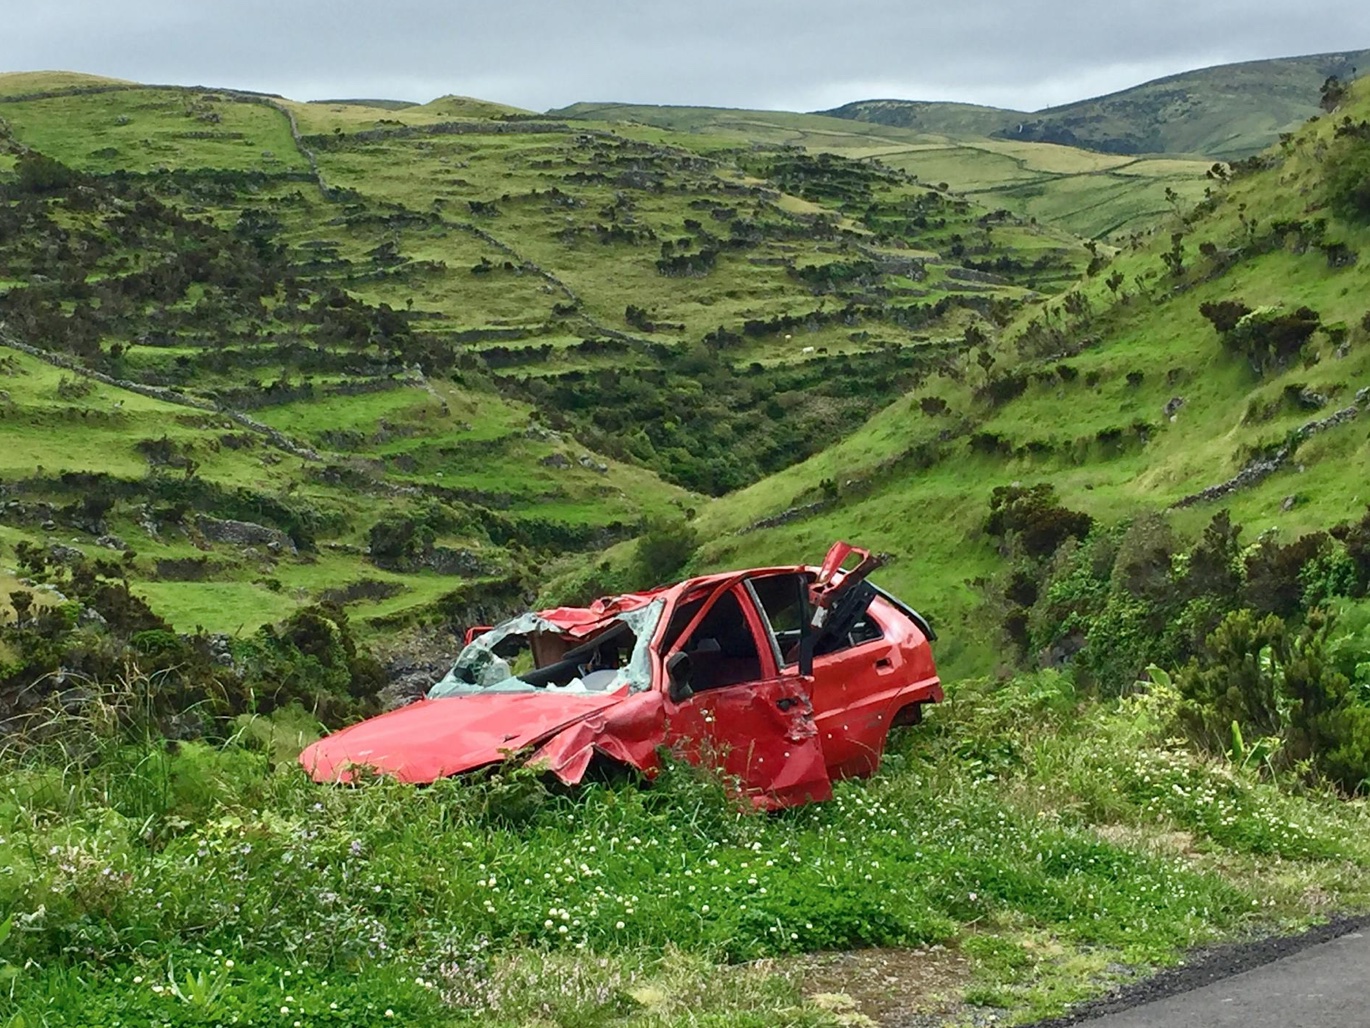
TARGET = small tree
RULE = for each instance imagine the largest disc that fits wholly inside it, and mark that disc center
(1346, 172)
(1332, 94)
(1174, 257)
(664, 547)
(39, 173)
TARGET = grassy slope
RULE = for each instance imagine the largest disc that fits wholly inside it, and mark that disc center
(1229, 111)
(1094, 195)
(1061, 846)
(48, 436)
(930, 517)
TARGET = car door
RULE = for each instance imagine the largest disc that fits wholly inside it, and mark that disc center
(855, 677)
(849, 670)
(732, 709)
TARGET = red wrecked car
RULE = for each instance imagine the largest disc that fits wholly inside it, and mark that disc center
(786, 678)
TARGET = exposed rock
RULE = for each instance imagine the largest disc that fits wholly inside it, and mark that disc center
(111, 542)
(1172, 406)
(221, 650)
(586, 461)
(1060, 652)
(536, 431)
(147, 522)
(91, 618)
(447, 561)
(408, 683)
(1290, 502)
(788, 515)
(65, 554)
(556, 460)
(1311, 400)
(244, 533)
(1260, 469)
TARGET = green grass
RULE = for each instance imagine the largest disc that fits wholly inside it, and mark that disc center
(1052, 836)
(927, 515)
(930, 517)
(1061, 844)
(145, 129)
(471, 436)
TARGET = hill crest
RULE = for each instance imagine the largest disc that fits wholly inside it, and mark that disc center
(1226, 110)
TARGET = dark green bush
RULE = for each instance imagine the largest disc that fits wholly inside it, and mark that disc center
(1030, 517)
(1130, 596)
(1346, 172)
(1273, 681)
(39, 173)
(1233, 680)
(663, 549)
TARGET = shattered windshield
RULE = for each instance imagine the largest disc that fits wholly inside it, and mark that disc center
(530, 653)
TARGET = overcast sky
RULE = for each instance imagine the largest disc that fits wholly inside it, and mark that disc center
(778, 54)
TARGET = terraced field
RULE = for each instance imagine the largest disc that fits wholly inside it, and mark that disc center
(1095, 195)
(511, 336)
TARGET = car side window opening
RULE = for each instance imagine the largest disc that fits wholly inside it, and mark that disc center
(722, 648)
(781, 598)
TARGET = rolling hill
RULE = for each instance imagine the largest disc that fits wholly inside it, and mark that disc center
(429, 356)
(1123, 397)
(1228, 111)
(292, 393)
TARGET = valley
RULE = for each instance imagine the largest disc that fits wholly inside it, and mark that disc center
(292, 394)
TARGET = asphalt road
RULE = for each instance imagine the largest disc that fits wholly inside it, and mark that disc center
(1323, 986)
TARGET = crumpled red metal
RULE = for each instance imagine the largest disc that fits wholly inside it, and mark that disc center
(781, 738)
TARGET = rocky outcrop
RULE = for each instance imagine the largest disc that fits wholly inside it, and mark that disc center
(244, 533)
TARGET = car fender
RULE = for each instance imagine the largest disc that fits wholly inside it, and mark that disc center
(629, 733)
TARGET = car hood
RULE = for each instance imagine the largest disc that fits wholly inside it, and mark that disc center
(432, 739)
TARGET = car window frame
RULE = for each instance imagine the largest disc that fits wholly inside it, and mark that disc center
(751, 614)
(779, 664)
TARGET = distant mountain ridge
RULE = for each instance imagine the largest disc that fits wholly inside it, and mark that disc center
(1229, 110)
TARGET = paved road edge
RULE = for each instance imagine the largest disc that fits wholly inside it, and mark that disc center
(1205, 966)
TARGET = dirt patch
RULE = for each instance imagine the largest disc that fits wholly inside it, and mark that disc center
(893, 988)
(1158, 843)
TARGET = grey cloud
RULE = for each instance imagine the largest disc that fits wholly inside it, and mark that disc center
(789, 54)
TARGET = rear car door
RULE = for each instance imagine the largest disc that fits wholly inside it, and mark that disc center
(845, 682)
(732, 709)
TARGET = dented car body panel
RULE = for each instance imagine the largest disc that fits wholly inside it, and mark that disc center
(784, 678)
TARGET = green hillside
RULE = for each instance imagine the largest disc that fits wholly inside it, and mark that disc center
(1227, 111)
(1091, 194)
(1122, 396)
(424, 351)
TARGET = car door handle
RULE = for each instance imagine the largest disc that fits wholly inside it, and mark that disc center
(884, 664)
